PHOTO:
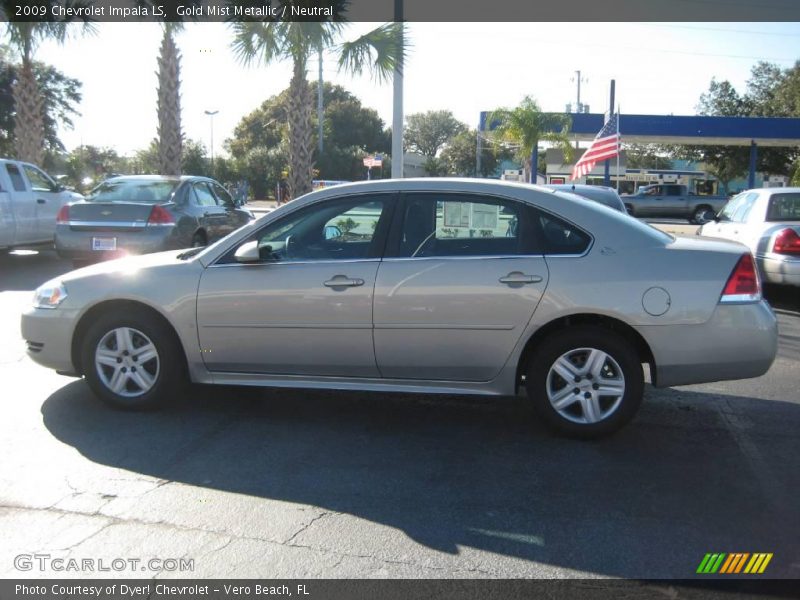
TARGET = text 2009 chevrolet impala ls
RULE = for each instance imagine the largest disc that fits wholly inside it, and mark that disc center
(452, 286)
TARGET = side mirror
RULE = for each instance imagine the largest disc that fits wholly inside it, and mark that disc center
(248, 253)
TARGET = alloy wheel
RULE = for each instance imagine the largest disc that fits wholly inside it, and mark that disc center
(585, 385)
(127, 362)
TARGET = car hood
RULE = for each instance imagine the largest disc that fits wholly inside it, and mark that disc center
(130, 264)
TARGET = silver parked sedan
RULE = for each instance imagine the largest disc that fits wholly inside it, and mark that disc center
(767, 221)
(137, 214)
(431, 285)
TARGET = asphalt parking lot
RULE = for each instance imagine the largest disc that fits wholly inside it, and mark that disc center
(277, 483)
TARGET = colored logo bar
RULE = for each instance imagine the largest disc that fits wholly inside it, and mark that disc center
(733, 563)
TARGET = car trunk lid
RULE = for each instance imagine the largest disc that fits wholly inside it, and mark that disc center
(110, 216)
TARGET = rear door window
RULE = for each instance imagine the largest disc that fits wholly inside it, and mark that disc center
(449, 224)
(784, 207)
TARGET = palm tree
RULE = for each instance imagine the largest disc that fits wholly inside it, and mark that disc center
(170, 135)
(379, 50)
(525, 126)
(25, 37)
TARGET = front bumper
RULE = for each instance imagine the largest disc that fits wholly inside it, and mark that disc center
(739, 341)
(74, 244)
(48, 336)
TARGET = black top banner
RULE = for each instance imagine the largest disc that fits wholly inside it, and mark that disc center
(411, 10)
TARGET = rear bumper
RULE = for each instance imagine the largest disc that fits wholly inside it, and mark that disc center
(78, 244)
(779, 269)
(48, 336)
(739, 341)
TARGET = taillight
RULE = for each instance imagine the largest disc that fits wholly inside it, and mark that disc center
(787, 242)
(62, 218)
(160, 216)
(743, 284)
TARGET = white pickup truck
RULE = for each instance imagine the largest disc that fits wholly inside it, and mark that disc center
(29, 203)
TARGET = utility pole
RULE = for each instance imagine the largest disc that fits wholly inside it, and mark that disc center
(578, 80)
(578, 106)
(397, 103)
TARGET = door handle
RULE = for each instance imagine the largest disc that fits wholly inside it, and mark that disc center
(41, 201)
(343, 281)
(519, 278)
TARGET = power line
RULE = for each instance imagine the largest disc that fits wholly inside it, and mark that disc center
(724, 30)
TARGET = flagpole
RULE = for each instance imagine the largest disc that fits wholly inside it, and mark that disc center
(619, 150)
(606, 173)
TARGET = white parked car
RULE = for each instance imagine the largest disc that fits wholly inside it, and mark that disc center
(29, 203)
(766, 220)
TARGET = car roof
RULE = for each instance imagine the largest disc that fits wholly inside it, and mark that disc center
(155, 178)
(565, 203)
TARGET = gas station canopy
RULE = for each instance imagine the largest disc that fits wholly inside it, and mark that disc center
(704, 131)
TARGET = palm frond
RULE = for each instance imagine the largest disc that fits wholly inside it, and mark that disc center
(381, 51)
(256, 42)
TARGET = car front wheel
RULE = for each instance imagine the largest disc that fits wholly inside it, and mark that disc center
(585, 382)
(132, 361)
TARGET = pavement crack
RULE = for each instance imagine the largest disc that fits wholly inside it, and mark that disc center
(306, 526)
(71, 547)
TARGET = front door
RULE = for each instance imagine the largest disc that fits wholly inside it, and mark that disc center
(213, 218)
(47, 201)
(235, 217)
(457, 288)
(306, 307)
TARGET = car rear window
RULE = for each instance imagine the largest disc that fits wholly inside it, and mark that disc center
(784, 207)
(146, 191)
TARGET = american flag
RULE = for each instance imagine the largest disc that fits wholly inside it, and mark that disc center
(606, 145)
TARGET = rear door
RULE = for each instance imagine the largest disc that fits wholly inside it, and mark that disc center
(675, 202)
(47, 200)
(459, 283)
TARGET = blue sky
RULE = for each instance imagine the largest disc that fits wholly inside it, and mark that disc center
(660, 68)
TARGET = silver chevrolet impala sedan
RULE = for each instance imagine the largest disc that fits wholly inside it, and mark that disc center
(431, 285)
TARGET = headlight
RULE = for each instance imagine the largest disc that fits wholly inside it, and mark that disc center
(50, 295)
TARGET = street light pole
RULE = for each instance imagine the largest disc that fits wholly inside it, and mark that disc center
(211, 114)
(397, 106)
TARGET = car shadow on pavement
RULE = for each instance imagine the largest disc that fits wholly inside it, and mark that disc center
(694, 473)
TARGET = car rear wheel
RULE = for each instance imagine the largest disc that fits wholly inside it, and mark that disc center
(585, 382)
(131, 361)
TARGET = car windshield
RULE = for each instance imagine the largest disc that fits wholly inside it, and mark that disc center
(148, 191)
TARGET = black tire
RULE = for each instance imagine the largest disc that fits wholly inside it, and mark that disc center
(168, 378)
(573, 342)
(199, 240)
(699, 215)
(629, 208)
